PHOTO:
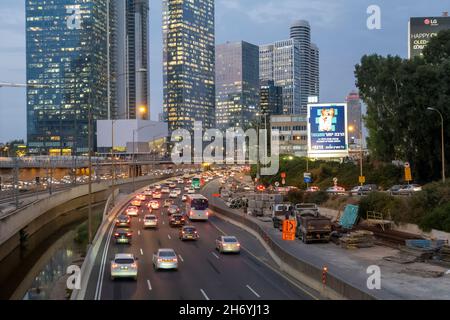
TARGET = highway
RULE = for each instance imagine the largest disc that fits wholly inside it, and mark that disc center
(203, 273)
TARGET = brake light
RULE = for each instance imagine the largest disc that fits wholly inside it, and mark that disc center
(134, 265)
(238, 244)
(115, 266)
(128, 234)
(116, 234)
(160, 260)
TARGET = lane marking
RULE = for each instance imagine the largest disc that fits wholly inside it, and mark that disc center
(98, 289)
(149, 285)
(204, 294)
(215, 255)
(254, 292)
(142, 252)
(181, 258)
(294, 283)
(170, 238)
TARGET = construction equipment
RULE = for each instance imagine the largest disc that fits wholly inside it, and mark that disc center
(357, 239)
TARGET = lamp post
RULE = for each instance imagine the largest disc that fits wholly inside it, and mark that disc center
(442, 142)
(142, 110)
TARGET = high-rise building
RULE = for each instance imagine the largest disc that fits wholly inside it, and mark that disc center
(131, 58)
(189, 59)
(237, 84)
(294, 65)
(271, 98)
(67, 64)
(284, 69)
(354, 114)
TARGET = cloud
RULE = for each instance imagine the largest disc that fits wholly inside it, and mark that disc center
(319, 13)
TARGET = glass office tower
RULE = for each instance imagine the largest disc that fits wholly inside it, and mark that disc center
(67, 70)
(189, 58)
(237, 84)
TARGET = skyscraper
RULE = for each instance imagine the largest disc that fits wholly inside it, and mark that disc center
(131, 57)
(354, 117)
(237, 84)
(271, 98)
(280, 62)
(67, 45)
(294, 65)
(189, 59)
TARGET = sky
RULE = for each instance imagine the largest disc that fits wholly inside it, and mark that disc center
(339, 28)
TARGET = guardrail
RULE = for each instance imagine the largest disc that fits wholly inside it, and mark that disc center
(294, 264)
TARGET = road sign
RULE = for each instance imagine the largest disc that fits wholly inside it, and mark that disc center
(408, 174)
(307, 177)
(362, 179)
(283, 181)
(277, 184)
(289, 228)
(407, 165)
(283, 175)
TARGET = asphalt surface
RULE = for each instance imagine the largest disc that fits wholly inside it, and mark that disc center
(203, 273)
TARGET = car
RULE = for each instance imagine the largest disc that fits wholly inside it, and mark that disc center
(165, 259)
(172, 185)
(313, 189)
(247, 188)
(141, 197)
(180, 181)
(177, 220)
(177, 190)
(395, 189)
(367, 188)
(336, 190)
(165, 190)
(150, 221)
(173, 209)
(184, 198)
(157, 195)
(191, 191)
(124, 265)
(228, 244)
(410, 189)
(356, 190)
(132, 211)
(189, 233)
(186, 188)
(136, 203)
(167, 203)
(173, 194)
(154, 205)
(123, 221)
(148, 192)
(123, 236)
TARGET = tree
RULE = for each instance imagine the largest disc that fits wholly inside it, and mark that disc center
(397, 93)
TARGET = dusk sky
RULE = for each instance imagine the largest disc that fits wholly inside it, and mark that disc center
(338, 28)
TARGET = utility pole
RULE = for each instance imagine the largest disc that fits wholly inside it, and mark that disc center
(16, 181)
(90, 167)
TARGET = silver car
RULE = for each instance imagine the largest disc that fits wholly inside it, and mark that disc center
(124, 266)
(165, 259)
(225, 244)
(150, 221)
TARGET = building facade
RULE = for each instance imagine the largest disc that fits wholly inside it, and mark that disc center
(271, 98)
(188, 63)
(67, 73)
(131, 58)
(237, 84)
(293, 138)
(354, 114)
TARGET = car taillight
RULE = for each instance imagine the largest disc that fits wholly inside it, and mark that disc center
(238, 244)
(134, 265)
(114, 266)
(160, 260)
(116, 234)
(128, 234)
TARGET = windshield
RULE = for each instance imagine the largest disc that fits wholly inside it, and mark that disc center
(199, 204)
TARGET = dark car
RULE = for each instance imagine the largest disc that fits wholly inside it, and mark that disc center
(177, 220)
(123, 236)
(123, 221)
(189, 233)
(395, 189)
(367, 188)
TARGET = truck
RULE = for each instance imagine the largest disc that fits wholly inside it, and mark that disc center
(279, 213)
(311, 225)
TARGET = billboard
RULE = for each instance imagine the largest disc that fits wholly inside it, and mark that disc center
(327, 130)
(421, 30)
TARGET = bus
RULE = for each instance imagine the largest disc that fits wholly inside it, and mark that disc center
(196, 183)
(197, 207)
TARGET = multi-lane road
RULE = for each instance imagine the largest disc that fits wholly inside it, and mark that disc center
(203, 273)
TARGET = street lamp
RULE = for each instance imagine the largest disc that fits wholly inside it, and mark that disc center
(442, 141)
(142, 110)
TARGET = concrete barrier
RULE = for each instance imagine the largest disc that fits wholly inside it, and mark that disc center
(303, 271)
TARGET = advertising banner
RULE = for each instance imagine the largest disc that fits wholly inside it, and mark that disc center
(422, 30)
(327, 130)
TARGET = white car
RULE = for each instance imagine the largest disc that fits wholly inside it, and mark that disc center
(172, 185)
(124, 266)
(165, 259)
(165, 190)
(180, 181)
(225, 244)
(191, 191)
(173, 194)
(177, 190)
(157, 195)
(132, 211)
(186, 188)
(150, 221)
(184, 198)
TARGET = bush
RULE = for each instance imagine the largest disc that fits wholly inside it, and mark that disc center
(295, 196)
(438, 219)
(319, 197)
(385, 204)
